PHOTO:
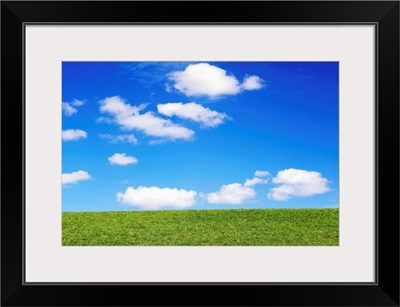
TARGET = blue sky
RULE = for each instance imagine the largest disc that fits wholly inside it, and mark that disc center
(199, 135)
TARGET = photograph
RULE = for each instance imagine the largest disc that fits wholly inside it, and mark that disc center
(200, 153)
(246, 147)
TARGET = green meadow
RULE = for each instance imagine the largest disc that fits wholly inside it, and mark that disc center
(240, 227)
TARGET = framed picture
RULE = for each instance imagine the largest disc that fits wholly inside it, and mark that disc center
(252, 147)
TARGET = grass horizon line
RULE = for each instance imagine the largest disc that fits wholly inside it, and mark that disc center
(237, 209)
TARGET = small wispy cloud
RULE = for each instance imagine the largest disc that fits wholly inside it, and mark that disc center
(168, 88)
(251, 83)
(122, 159)
(68, 107)
(103, 119)
(152, 125)
(194, 112)
(157, 141)
(78, 103)
(254, 181)
(128, 138)
(75, 177)
(149, 73)
(73, 134)
(259, 173)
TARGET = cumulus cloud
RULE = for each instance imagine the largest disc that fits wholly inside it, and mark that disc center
(237, 193)
(234, 193)
(78, 103)
(68, 109)
(72, 178)
(128, 138)
(193, 111)
(122, 159)
(73, 134)
(154, 198)
(254, 181)
(203, 79)
(155, 126)
(117, 106)
(251, 83)
(297, 183)
(259, 173)
(128, 117)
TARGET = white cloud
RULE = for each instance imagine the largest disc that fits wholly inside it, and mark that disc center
(193, 111)
(73, 134)
(116, 106)
(251, 83)
(122, 159)
(254, 181)
(68, 109)
(203, 79)
(168, 88)
(154, 198)
(74, 177)
(78, 103)
(261, 173)
(296, 182)
(157, 142)
(234, 193)
(128, 118)
(129, 138)
(156, 126)
(103, 119)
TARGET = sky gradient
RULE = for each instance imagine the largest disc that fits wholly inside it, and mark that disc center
(199, 135)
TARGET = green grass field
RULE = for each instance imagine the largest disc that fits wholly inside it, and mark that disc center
(250, 227)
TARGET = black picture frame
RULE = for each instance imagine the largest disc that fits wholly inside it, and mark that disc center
(383, 14)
